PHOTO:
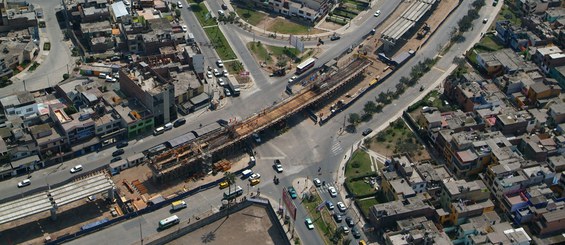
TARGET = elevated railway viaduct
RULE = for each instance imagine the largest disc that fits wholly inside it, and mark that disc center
(196, 157)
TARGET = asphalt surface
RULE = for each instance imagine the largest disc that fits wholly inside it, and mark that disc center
(303, 149)
(52, 68)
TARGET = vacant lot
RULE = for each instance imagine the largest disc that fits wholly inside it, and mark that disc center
(253, 17)
(397, 138)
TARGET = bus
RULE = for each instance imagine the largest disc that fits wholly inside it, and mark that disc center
(231, 194)
(304, 66)
(168, 222)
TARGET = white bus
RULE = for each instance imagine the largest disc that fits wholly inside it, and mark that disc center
(168, 222)
(304, 66)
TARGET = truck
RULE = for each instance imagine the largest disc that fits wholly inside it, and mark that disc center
(178, 205)
(246, 173)
(234, 86)
(231, 193)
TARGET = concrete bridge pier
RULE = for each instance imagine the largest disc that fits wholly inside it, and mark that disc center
(53, 211)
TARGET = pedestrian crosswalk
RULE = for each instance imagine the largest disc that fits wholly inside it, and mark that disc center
(336, 148)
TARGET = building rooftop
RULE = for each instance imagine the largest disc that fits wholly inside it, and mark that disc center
(457, 187)
(119, 9)
(100, 26)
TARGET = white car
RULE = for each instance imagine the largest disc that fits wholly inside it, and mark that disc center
(216, 72)
(76, 168)
(255, 176)
(341, 206)
(377, 13)
(332, 191)
(317, 182)
(221, 82)
(345, 229)
(179, 4)
(184, 28)
(225, 73)
(220, 63)
(227, 92)
(209, 74)
(23, 183)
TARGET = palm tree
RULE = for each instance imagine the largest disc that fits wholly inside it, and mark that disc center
(230, 178)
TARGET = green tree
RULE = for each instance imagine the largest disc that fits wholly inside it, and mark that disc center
(354, 118)
(346, 241)
(399, 88)
(370, 107)
(366, 117)
(66, 76)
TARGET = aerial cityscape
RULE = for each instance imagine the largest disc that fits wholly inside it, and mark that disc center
(347, 122)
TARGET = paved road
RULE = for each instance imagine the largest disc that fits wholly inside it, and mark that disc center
(305, 147)
(52, 68)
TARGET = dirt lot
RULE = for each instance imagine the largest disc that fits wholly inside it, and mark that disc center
(32, 229)
(253, 227)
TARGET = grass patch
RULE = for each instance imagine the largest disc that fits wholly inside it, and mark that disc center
(360, 188)
(202, 14)
(472, 56)
(292, 53)
(47, 46)
(489, 42)
(252, 17)
(234, 67)
(288, 27)
(365, 204)
(323, 222)
(220, 43)
(359, 164)
(260, 51)
(33, 66)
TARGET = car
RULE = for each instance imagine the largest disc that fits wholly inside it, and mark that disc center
(252, 159)
(292, 192)
(184, 28)
(118, 152)
(115, 58)
(373, 31)
(344, 229)
(317, 182)
(255, 176)
(76, 168)
(209, 74)
(335, 38)
(221, 12)
(377, 13)
(179, 122)
(179, 4)
(485, 20)
(168, 126)
(224, 184)
(126, 2)
(256, 138)
(341, 206)
(221, 82)
(356, 233)
(329, 205)
(309, 223)
(332, 191)
(290, 80)
(367, 132)
(349, 221)
(23, 183)
(225, 73)
(227, 92)
(253, 182)
(216, 73)
(224, 6)
(220, 63)
(278, 166)
(337, 217)
(115, 159)
(122, 144)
